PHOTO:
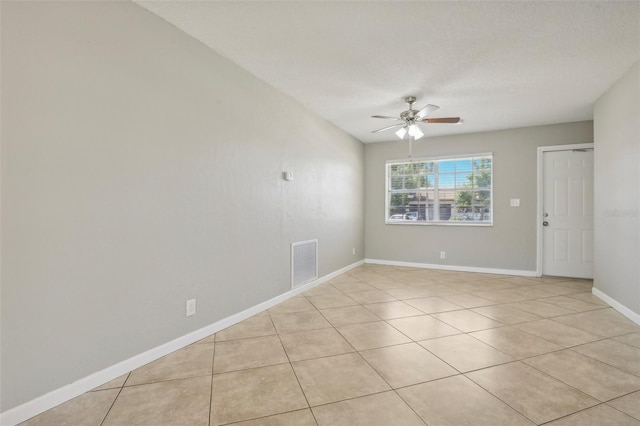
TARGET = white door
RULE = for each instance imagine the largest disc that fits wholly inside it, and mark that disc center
(568, 213)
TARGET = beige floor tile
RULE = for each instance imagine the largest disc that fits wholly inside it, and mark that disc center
(515, 342)
(425, 282)
(358, 287)
(292, 418)
(466, 320)
(534, 394)
(520, 281)
(632, 339)
(208, 339)
(612, 352)
(385, 284)
(372, 335)
(484, 285)
(259, 392)
(548, 279)
(248, 353)
(191, 361)
(332, 301)
(295, 304)
(87, 409)
(557, 333)
(390, 310)
(314, 344)
(439, 290)
(409, 364)
(468, 300)
(588, 375)
(629, 404)
(430, 305)
(465, 353)
(603, 322)
(423, 327)
(577, 284)
(505, 314)
(251, 327)
(554, 290)
(382, 409)
(344, 278)
(536, 307)
(458, 401)
(572, 304)
(112, 384)
(409, 292)
(299, 321)
(375, 296)
(348, 315)
(170, 403)
(322, 290)
(364, 275)
(332, 379)
(602, 415)
(502, 296)
(587, 297)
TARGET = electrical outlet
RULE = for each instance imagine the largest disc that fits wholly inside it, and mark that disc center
(191, 307)
(442, 255)
(354, 251)
(515, 202)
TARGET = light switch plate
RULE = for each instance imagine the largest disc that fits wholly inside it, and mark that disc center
(515, 202)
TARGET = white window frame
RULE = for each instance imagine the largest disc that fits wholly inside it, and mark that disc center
(436, 206)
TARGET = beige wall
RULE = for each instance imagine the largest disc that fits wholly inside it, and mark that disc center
(140, 169)
(509, 244)
(617, 191)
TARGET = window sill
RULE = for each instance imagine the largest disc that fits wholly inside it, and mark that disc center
(423, 223)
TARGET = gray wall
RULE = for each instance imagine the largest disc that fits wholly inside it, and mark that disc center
(511, 242)
(140, 169)
(617, 191)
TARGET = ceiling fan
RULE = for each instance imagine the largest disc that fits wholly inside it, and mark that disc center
(409, 119)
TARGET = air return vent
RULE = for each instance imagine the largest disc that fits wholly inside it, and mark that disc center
(304, 262)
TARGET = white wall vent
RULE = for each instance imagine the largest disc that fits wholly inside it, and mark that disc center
(304, 262)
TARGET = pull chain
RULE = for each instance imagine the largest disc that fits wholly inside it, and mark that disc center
(410, 147)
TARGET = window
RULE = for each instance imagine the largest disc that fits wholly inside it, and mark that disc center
(452, 191)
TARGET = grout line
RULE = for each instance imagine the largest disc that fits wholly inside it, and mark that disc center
(115, 399)
(296, 376)
(213, 360)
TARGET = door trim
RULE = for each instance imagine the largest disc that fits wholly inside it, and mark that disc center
(540, 202)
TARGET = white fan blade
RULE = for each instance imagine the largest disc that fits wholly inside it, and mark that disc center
(387, 117)
(426, 111)
(388, 127)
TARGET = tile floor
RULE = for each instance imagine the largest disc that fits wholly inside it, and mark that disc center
(385, 345)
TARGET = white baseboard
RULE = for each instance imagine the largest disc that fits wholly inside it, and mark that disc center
(633, 316)
(454, 268)
(58, 396)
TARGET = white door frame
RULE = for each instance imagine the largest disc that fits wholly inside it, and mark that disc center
(540, 204)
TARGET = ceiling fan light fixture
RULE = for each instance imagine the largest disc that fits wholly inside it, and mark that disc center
(400, 133)
(415, 131)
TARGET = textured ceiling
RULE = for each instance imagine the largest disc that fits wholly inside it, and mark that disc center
(497, 65)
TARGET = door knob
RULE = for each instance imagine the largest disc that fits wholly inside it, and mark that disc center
(545, 223)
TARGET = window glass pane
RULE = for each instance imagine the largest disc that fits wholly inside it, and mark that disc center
(428, 167)
(411, 182)
(446, 180)
(464, 165)
(482, 172)
(451, 190)
(464, 180)
(396, 183)
(447, 166)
